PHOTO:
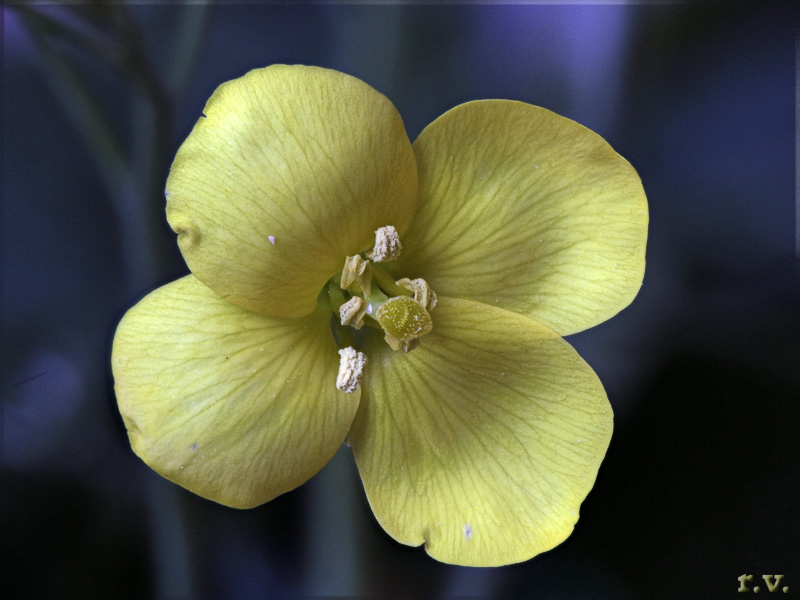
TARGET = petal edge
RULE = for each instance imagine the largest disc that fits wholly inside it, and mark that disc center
(234, 406)
(483, 442)
(290, 170)
(527, 210)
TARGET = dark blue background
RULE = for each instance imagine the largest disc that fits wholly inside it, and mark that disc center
(702, 480)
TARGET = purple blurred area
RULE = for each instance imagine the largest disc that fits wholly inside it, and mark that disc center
(703, 476)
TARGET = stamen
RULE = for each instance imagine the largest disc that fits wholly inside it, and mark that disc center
(352, 312)
(387, 245)
(351, 369)
(356, 270)
(422, 292)
(400, 308)
(396, 344)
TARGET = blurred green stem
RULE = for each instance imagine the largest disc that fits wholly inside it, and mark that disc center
(140, 225)
(135, 188)
(333, 524)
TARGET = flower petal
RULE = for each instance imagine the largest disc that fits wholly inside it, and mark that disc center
(234, 406)
(483, 442)
(526, 210)
(290, 170)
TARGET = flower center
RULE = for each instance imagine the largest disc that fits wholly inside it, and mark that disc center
(365, 293)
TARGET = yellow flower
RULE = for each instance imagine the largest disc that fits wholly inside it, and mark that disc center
(434, 345)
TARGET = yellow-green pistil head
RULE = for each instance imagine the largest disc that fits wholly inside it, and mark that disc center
(404, 319)
(411, 298)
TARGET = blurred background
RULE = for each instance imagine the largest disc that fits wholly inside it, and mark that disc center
(702, 480)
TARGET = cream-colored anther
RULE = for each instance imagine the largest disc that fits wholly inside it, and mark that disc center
(357, 270)
(387, 245)
(351, 369)
(352, 312)
(422, 292)
(396, 344)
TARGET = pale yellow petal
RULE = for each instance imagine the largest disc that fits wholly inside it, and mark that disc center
(234, 406)
(526, 210)
(290, 170)
(482, 442)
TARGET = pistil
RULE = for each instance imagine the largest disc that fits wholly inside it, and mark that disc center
(364, 292)
(404, 320)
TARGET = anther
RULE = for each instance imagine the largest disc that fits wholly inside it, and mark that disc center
(387, 245)
(351, 369)
(352, 312)
(356, 270)
(422, 292)
(405, 346)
